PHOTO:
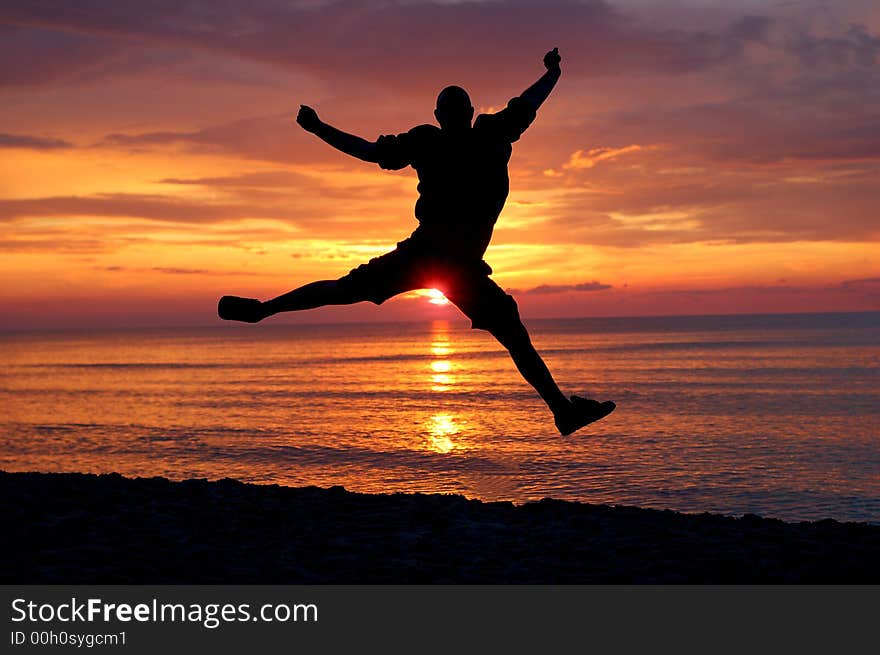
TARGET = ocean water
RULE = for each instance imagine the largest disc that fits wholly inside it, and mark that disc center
(774, 415)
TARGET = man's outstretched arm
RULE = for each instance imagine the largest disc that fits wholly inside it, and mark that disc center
(347, 143)
(536, 94)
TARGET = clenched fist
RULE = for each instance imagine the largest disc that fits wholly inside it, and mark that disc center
(552, 59)
(308, 118)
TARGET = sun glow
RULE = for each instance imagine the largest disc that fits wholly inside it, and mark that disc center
(436, 297)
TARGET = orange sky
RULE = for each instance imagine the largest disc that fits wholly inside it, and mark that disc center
(695, 158)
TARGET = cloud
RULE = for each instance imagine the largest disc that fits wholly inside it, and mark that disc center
(256, 180)
(674, 195)
(56, 246)
(153, 207)
(579, 160)
(745, 298)
(170, 270)
(32, 142)
(867, 283)
(547, 289)
(36, 55)
(252, 208)
(855, 47)
(353, 39)
(174, 270)
(271, 137)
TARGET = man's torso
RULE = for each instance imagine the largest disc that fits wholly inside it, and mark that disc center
(463, 184)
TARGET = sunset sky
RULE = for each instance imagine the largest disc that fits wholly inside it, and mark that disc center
(697, 156)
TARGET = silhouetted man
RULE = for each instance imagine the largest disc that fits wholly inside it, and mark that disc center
(463, 183)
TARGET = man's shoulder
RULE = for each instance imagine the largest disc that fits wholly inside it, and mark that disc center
(425, 130)
(483, 120)
(489, 121)
(396, 151)
(510, 122)
(418, 132)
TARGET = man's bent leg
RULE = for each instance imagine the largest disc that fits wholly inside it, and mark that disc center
(569, 415)
(489, 308)
(531, 366)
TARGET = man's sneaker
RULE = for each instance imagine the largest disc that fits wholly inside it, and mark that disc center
(583, 411)
(233, 308)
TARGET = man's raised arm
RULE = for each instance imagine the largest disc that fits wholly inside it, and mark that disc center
(536, 94)
(347, 143)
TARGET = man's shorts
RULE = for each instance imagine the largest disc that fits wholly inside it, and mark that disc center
(465, 282)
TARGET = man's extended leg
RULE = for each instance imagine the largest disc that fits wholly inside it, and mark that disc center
(309, 296)
(379, 279)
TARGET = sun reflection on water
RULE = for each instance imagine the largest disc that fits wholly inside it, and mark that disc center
(441, 366)
(443, 426)
(440, 348)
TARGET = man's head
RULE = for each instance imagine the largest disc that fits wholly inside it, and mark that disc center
(454, 110)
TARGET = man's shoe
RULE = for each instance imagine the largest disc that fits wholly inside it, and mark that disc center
(247, 310)
(583, 412)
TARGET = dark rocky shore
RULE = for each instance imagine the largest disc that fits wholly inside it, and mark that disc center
(75, 528)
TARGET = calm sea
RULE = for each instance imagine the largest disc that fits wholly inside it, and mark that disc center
(775, 415)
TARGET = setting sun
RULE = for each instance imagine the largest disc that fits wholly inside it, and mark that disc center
(436, 297)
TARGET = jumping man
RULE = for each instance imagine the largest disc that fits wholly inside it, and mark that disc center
(463, 183)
